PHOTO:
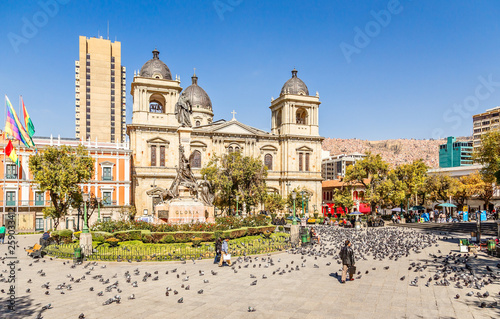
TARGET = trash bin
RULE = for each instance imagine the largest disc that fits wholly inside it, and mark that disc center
(491, 246)
(304, 236)
(78, 253)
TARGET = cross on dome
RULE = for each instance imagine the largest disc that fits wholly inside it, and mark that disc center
(234, 113)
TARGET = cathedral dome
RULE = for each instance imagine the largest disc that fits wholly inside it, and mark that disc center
(155, 68)
(294, 86)
(197, 96)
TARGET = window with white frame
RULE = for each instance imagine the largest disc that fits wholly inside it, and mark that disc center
(107, 174)
(11, 171)
(106, 198)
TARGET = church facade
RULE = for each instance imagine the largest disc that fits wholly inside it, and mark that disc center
(291, 151)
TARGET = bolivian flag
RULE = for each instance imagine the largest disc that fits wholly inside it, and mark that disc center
(11, 153)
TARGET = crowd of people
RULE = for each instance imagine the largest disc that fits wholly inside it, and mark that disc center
(395, 152)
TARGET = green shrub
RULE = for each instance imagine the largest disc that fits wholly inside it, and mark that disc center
(113, 242)
(217, 234)
(168, 239)
(196, 241)
(135, 234)
(122, 235)
(148, 239)
(281, 228)
(181, 237)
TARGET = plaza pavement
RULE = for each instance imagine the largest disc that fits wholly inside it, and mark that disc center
(307, 293)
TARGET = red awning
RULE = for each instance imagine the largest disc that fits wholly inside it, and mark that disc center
(364, 208)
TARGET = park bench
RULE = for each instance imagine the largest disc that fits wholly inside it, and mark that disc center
(35, 251)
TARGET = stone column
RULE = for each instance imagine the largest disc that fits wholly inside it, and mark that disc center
(294, 234)
(185, 139)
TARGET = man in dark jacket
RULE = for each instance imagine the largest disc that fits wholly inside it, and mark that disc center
(347, 256)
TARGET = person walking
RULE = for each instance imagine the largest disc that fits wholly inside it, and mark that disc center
(347, 256)
(225, 252)
(218, 250)
(2, 233)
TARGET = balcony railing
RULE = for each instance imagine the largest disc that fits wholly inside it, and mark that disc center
(10, 176)
(44, 203)
(107, 178)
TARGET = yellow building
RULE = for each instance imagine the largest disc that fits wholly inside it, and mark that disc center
(291, 151)
(485, 122)
(100, 91)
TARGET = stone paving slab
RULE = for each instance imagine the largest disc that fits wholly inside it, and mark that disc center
(307, 293)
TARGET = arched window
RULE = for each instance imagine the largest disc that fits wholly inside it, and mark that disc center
(230, 149)
(236, 149)
(268, 161)
(301, 116)
(278, 118)
(155, 107)
(195, 159)
(197, 123)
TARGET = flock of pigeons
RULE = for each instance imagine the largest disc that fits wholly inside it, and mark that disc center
(461, 271)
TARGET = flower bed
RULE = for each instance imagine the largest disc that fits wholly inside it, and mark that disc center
(221, 224)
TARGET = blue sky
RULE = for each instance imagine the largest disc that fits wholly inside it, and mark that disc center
(383, 69)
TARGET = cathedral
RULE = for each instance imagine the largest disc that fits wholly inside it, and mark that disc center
(291, 151)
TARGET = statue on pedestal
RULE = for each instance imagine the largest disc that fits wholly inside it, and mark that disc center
(183, 110)
(202, 191)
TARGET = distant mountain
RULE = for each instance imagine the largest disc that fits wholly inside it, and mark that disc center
(395, 152)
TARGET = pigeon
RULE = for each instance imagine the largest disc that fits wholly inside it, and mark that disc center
(200, 291)
(181, 300)
(253, 283)
(251, 309)
(81, 316)
(48, 306)
(131, 297)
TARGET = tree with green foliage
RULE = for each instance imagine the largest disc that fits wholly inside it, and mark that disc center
(60, 171)
(440, 187)
(413, 177)
(392, 191)
(274, 203)
(488, 154)
(235, 175)
(371, 171)
(342, 197)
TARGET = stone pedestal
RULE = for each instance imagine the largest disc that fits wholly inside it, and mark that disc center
(295, 234)
(184, 211)
(86, 244)
(185, 139)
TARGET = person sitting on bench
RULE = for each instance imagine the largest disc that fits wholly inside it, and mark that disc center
(314, 235)
(44, 241)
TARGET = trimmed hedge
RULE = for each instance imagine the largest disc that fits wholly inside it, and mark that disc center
(64, 235)
(187, 236)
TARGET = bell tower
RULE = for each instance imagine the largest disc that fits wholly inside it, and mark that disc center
(155, 94)
(295, 112)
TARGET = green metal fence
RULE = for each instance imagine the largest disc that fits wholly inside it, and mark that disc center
(169, 252)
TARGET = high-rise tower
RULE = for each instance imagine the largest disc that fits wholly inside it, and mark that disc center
(100, 91)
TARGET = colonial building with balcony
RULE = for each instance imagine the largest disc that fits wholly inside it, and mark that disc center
(20, 194)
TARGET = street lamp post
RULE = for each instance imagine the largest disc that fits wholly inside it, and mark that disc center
(302, 198)
(85, 226)
(78, 216)
(307, 205)
(98, 209)
(237, 199)
(294, 196)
